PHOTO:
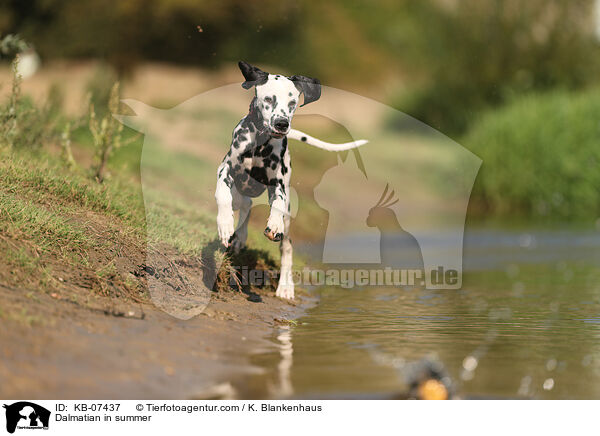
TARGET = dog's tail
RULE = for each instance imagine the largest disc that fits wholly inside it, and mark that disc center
(301, 136)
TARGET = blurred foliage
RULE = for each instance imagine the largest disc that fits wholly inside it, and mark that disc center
(540, 157)
(125, 31)
(454, 57)
(343, 39)
(11, 44)
(477, 53)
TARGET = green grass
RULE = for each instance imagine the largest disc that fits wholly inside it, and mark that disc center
(22, 258)
(46, 228)
(41, 176)
(178, 224)
(39, 196)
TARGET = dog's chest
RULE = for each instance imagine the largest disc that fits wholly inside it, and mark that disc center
(258, 167)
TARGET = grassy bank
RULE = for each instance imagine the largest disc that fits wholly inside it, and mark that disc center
(75, 221)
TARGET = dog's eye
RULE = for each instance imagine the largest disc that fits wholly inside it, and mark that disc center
(268, 100)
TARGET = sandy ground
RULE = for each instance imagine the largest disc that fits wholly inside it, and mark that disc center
(133, 351)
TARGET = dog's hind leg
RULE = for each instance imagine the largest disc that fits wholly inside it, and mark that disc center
(243, 204)
(285, 288)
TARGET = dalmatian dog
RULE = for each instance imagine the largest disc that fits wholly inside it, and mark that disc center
(259, 159)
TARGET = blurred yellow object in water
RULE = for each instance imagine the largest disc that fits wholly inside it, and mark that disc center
(432, 390)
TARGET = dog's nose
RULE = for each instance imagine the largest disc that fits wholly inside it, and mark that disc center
(281, 124)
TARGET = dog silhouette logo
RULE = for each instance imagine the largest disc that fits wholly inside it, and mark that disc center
(429, 174)
(26, 415)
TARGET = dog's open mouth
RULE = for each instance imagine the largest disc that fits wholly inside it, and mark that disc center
(278, 134)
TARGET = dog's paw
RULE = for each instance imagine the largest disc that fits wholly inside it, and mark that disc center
(272, 235)
(285, 290)
(225, 227)
(275, 228)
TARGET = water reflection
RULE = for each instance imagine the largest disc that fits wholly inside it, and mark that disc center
(284, 386)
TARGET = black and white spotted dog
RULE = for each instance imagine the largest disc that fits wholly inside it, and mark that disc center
(259, 159)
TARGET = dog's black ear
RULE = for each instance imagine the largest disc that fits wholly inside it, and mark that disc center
(311, 88)
(254, 76)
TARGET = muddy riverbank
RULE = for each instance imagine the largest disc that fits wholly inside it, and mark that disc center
(55, 349)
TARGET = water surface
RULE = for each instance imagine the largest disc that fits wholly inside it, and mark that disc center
(526, 323)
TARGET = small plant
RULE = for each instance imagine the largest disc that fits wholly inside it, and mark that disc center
(8, 115)
(10, 46)
(106, 134)
(23, 124)
(65, 146)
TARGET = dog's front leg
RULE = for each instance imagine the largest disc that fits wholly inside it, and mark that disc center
(224, 203)
(285, 287)
(279, 202)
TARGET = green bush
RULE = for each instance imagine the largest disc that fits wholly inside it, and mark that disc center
(481, 53)
(541, 157)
